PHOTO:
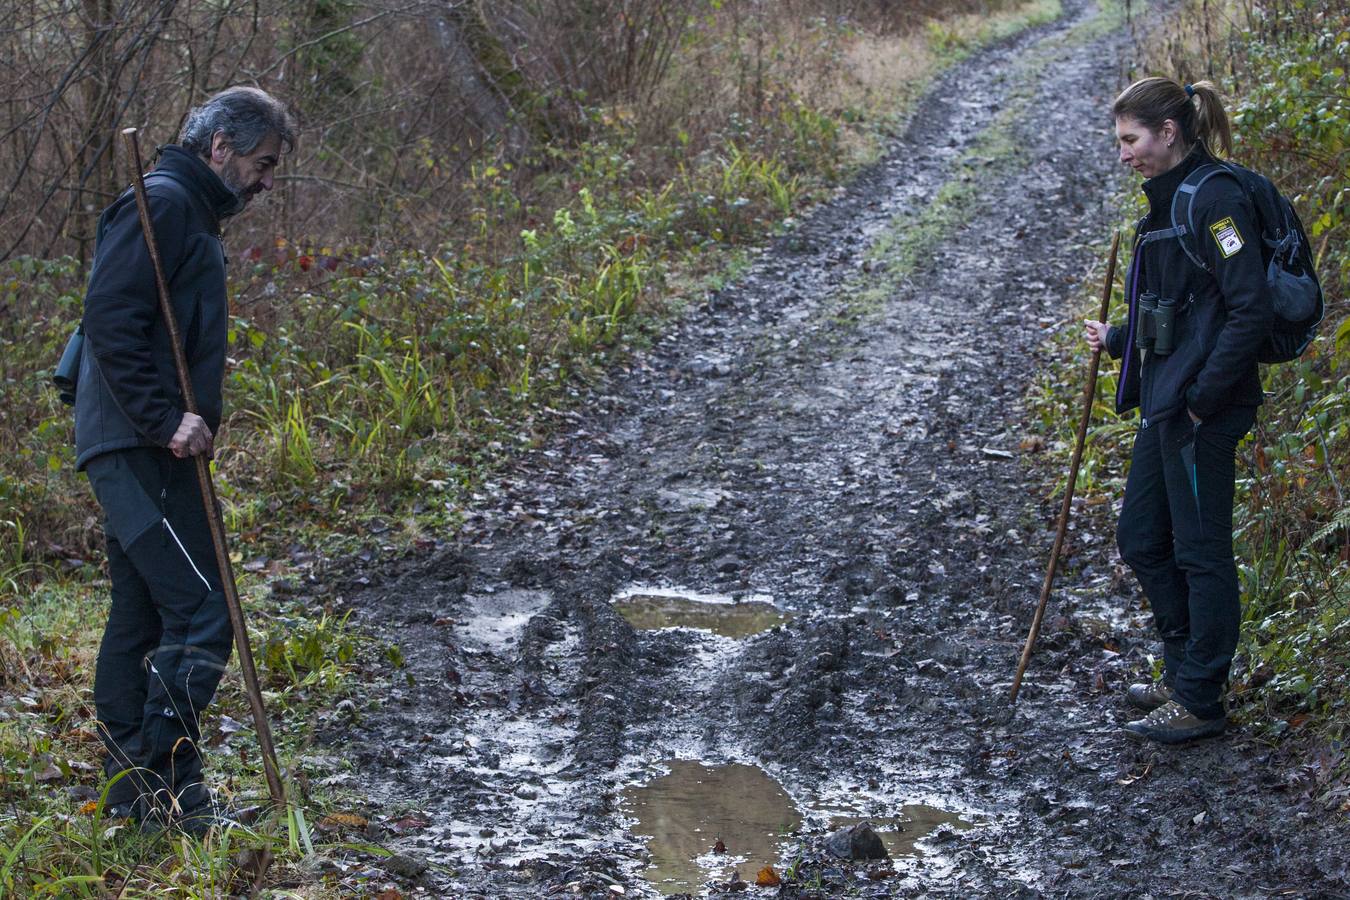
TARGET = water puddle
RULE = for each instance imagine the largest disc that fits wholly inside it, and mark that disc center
(685, 813)
(494, 621)
(649, 609)
(900, 833)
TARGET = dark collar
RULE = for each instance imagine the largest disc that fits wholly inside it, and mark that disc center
(192, 171)
(1160, 188)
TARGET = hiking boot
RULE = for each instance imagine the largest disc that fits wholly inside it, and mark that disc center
(1148, 697)
(1172, 723)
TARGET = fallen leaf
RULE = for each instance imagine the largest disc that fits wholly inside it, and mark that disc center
(339, 820)
(767, 877)
(410, 822)
(81, 736)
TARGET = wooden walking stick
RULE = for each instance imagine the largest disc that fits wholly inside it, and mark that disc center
(1089, 394)
(208, 488)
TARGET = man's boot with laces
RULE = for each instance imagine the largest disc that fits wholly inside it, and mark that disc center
(1172, 723)
(1148, 697)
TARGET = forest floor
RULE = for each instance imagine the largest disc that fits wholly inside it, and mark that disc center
(826, 463)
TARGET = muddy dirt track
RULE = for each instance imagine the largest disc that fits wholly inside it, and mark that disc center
(837, 433)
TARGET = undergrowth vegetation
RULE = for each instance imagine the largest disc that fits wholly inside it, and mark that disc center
(370, 387)
(365, 382)
(1284, 68)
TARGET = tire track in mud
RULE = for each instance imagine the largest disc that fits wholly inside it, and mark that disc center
(836, 430)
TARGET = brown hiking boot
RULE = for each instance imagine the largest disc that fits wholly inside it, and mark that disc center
(1148, 697)
(1172, 723)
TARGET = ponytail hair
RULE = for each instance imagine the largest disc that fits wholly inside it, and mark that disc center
(1196, 108)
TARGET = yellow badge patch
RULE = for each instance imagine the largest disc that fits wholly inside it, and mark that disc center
(1226, 236)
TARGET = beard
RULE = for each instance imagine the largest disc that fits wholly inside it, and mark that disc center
(236, 186)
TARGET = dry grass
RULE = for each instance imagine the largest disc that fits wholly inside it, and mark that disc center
(880, 75)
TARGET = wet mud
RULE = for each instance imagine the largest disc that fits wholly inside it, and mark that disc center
(858, 463)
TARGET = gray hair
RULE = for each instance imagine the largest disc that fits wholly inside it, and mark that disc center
(245, 115)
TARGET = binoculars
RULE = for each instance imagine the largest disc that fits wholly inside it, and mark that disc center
(67, 372)
(1157, 324)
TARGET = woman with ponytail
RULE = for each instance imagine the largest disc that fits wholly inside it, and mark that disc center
(1189, 363)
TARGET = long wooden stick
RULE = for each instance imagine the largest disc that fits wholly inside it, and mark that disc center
(208, 489)
(1089, 394)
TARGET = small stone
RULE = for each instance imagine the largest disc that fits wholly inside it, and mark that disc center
(285, 587)
(856, 842)
(888, 595)
(727, 564)
(82, 792)
(404, 865)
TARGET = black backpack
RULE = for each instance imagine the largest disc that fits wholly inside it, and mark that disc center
(1295, 291)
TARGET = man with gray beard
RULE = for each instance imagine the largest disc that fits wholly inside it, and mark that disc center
(168, 634)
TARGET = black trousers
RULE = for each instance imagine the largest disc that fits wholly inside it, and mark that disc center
(1176, 533)
(168, 635)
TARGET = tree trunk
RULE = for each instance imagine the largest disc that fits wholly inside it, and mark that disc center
(491, 85)
(93, 147)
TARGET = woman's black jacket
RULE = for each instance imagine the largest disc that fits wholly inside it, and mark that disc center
(128, 394)
(1222, 318)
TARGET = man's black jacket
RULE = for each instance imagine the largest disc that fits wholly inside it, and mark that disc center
(128, 394)
(1222, 319)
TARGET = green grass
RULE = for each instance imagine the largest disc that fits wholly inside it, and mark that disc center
(53, 841)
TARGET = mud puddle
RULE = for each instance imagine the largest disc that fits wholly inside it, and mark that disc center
(494, 621)
(686, 814)
(651, 609)
(702, 823)
(901, 834)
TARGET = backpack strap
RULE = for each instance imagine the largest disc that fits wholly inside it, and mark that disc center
(1183, 209)
(1176, 231)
